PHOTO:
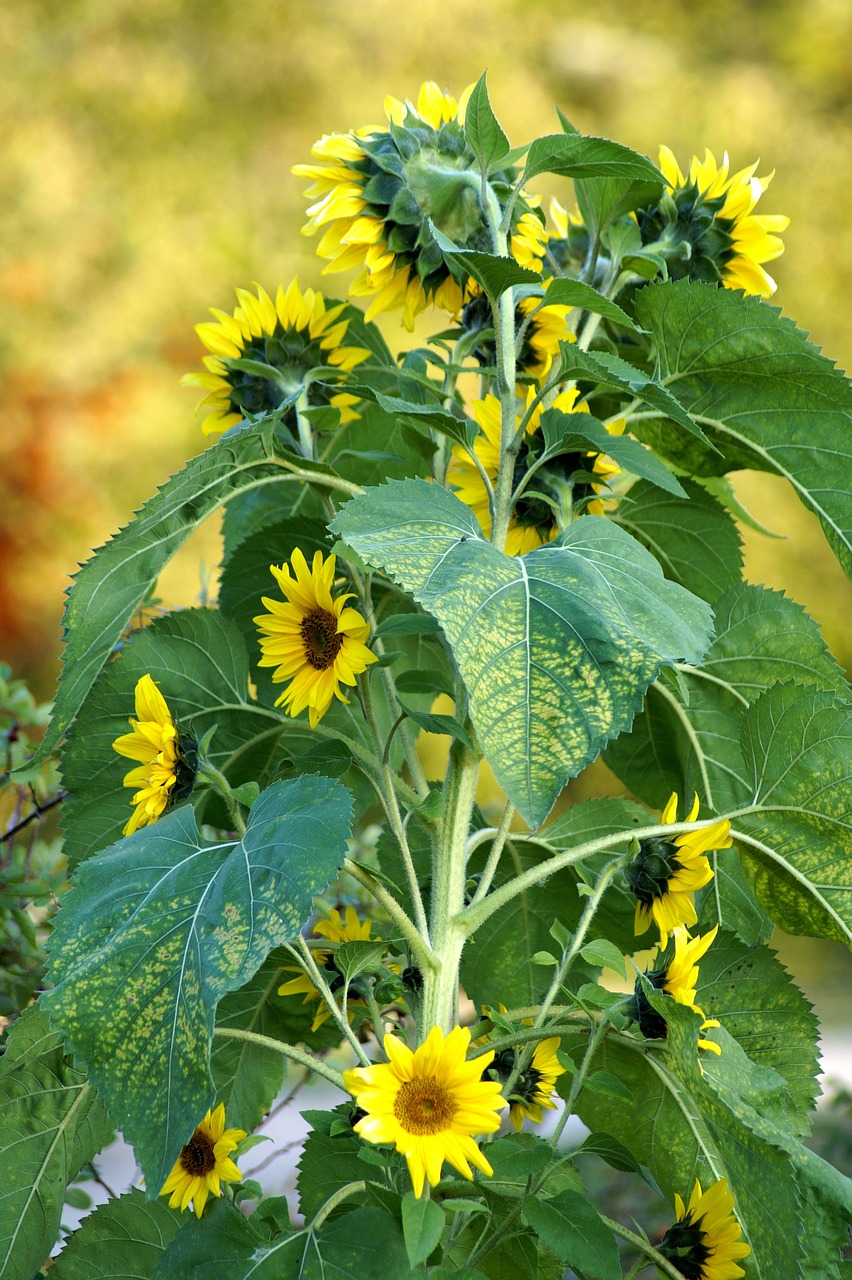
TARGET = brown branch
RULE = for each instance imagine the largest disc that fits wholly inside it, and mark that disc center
(37, 812)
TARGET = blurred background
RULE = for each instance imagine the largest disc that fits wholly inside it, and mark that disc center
(145, 173)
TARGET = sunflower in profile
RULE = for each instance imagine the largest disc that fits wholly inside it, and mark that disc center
(350, 929)
(314, 640)
(533, 1090)
(375, 190)
(705, 1243)
(579, 476)
(706, 228)
(665, 874)
(677, 977)
(268, 351)
(166, 767)
(204, 1163)
(429, 1104)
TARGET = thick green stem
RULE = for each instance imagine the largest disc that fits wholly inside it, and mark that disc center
(449, 865)
(286, 1050)
(504, 333)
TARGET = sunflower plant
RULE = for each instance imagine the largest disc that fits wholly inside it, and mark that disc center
(452, 579)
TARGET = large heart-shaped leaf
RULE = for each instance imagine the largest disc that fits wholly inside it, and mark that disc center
(160, 927)
(556, 647)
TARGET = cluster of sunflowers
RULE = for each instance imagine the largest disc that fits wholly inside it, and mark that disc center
(404, 205)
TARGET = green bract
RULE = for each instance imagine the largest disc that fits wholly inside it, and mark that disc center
(345, 867)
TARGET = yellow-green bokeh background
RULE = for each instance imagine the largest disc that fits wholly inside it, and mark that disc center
(146, 171)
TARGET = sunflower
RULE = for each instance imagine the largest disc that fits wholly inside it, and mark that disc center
(705, 227)
(166, 767)
(375, 190)
(679, 979)
(333, 928)
(534, 520)
(533, 1089)
(705, 1243)
(665, 873)
(281, 346)
(314, 640)
(204, 1163)
(429, 1104)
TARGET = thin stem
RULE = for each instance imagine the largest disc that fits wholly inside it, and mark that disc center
(310, 966)
(351, 1189)
(580, 1079)
(286, 1050)
(419, 947)
(524, 1035)
(645, 1247)
(209, 774)
(317, 477)
(490, 867)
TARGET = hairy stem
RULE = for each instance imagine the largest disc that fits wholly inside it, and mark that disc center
(417, 944)
(286, 1050)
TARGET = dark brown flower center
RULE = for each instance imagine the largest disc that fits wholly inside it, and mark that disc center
(321, 638)
(198, 1156)
(424, 1106)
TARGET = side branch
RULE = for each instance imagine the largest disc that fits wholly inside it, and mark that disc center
(286, 1050)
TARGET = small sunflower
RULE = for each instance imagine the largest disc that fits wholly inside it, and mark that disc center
(286, 343)
(705, 226)
(314, 640)
(705, 1243)
(333, 928)
(166, 767)
(375, 189)
(534, 520)
(429, 1104)
(679, 979)
(533, 1090)
(665, 873)
(204, 1163)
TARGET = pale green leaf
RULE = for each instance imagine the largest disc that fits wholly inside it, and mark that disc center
(575, 1232)
(422, 1226)
(765, 396)
(122, 1240)
(484, 135)
(51, 1124)
(577, 156)
(160, 927)
(556, 647)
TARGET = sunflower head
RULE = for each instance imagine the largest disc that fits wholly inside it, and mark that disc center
(705, 228)
(312, 638)
(566, 485)
(705, 1242)
(167, 757)
(204, 1163)
(269, 352)
(375, 190)
(677, 976)
(533, 1089)
(429, 1104)
(335, 929)
(665, 874)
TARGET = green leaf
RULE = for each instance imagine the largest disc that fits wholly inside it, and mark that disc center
(574, 432)
(611, 371)
(601, 953)
(574, 293)
(51, 1124)
(517, 1156)
(604, 200)
(198, 659)
(694, 538)
(494, 273)
(160, 927)
(110, 586)
(576, 1233)
(795, 838)
(122, 1240)
(355, 958)
(766, 397)
(556, 647)
(577, 156)
(422, 1226)
(434, 723)
(327, 1163)
(460, 429)
(486, 139)
(610, 1150)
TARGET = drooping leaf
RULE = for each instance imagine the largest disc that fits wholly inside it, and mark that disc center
(51, 1123)
(578, 156)
(556, 647)
(602, 201)
(160, 927)
(423, 1224)
(122, 1240)
(765, 396)
(795, 837)
(110, 586)
(484, 135)
(198, 660)
(576, 1233)
(492, 272)
(694, 539)
(577, 432)
(574, 293)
